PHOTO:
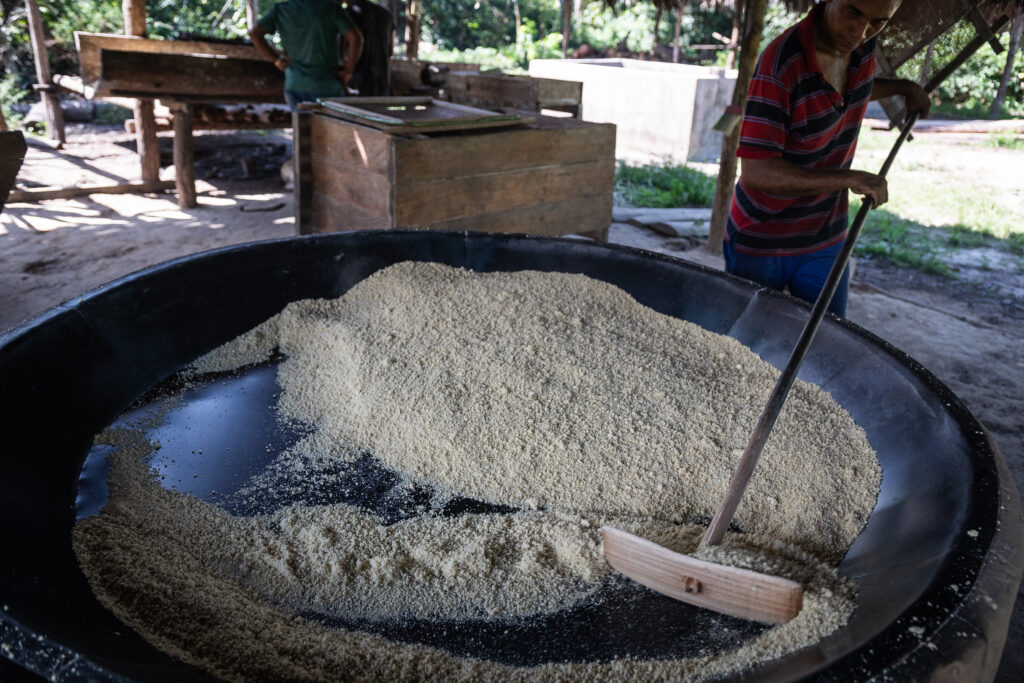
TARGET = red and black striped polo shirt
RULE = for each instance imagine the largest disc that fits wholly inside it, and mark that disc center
(792, 112)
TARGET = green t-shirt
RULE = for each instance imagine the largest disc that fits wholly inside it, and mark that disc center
(309, 31)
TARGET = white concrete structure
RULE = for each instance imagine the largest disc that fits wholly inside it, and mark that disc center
(664, 112)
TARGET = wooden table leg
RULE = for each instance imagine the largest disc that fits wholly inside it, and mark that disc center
(184, 167)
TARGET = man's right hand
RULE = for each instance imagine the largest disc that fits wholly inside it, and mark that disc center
(871, 185)
(282, 63)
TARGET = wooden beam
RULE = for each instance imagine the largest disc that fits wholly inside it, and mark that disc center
(184, 160)
(51, 102)
(90, 44)
(67, 192)
(145, 137)
(188, 76)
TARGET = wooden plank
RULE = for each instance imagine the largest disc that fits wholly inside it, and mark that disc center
(471, 195)
(90, 44)
(184, 76)
(589, 215)
(302, 121)
(738, 592)
(80, 191)
(367, 189)
(493, 90)
(327, 214)
(471, 155)
(551, 90)
(348, 144)
(444, 122)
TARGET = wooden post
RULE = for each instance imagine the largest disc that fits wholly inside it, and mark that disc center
(566, 25)
(184, 159)
(412, 29)
(750, 48)
(734, 37)
(51, 101)
(145, 123)
(252, 13)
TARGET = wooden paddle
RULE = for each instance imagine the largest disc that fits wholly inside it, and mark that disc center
(738, 592)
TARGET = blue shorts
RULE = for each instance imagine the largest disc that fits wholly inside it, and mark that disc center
(804, 274)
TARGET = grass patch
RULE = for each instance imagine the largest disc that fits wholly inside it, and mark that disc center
(664, 186)
(902, 241)
(1005, 139)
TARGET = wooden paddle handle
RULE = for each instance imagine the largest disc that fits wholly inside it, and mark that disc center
(748, 461)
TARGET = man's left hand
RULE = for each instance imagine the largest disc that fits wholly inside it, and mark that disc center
(916, 99)
(344, 74)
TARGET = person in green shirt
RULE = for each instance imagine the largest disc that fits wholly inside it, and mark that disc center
(310, 33)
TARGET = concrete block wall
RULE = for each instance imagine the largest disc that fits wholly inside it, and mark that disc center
(663, 112)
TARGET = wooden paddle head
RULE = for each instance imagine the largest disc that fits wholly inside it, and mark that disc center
(738, 592)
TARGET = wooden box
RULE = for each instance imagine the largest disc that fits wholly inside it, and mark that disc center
(552, 176)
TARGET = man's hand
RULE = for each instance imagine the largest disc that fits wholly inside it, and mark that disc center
(780, 177)
(869, 184)
(917, 99)
(282, 62)
(914, 96)
(344, 74)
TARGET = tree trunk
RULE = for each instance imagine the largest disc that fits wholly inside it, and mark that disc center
(519, 25)
(412, 30)
(657, 24)
(134, 12)
(566, 25)
(675, 40)
(1011, 54)
(51, 102)
(734, 37)
(252, 13)
(750, 48)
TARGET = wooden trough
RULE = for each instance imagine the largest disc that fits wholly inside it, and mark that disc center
(547, 176)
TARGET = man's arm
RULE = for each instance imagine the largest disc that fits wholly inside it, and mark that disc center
(353, 48)
(259, 41)
(778, 176)
(916, 98)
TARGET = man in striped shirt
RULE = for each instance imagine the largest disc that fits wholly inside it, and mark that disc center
(804, 109)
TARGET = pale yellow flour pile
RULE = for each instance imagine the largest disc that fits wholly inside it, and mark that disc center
(556, 391)
(553, 393)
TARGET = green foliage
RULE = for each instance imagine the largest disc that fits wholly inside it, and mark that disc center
(112, 115)
(602, 27)
(664, 186)
(971, 89)
(10, 94)
(776, 21)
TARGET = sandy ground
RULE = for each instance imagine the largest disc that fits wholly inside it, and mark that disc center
(55, 250)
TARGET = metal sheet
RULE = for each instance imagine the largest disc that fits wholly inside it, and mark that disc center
(70, 373)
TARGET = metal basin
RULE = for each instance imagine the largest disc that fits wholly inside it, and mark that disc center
(937, 566)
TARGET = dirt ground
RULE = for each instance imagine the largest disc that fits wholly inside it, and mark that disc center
(966, 331)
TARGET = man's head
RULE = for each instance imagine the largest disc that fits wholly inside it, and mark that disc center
(850, 23)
